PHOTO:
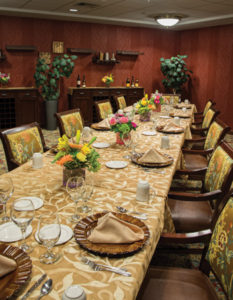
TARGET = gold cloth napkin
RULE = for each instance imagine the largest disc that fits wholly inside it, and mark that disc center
(172, 127)
(153, 156)
(112, 230)
(7, 265)
(103, 124)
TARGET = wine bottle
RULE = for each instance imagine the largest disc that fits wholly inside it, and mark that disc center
(127, 82)
(132, 81)
(78, 81)
(84, 81)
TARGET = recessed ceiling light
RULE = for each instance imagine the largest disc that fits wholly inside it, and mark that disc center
(73, 9)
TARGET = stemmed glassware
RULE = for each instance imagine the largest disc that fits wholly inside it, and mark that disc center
(87, 191)
(22, 214)
(49, 231)
(6, 191)
(126, 138)
(87, 134)
(74, 188)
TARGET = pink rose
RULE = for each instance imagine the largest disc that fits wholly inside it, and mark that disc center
(112, 121)
(124, 120)
(134, 125)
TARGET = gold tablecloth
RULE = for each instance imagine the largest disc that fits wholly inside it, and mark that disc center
(112, 188)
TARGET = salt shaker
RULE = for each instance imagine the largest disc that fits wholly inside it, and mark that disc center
(37, 160)
(186, 101)
(177, 121)
(74, 292)
(165, 142)
(143, 191)
(184, 109)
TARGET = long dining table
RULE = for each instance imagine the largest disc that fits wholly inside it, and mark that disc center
(112, 187)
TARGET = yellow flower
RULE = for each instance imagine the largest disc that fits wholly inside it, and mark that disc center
(144, 102)
(63, 143)
(146, 96)
(85, 149)
(80, 156)
(138, 106)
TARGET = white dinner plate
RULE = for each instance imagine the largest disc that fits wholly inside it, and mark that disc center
(37, 202)
(66, 235)
(101, 145)
(150, 133)
(10, 232)
(116, 164)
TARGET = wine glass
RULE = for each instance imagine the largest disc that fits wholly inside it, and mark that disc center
(49, 231)
(86, 134)
(22, 214)
(6, 191)
(74, 189)
(87, 191)
(126, 138)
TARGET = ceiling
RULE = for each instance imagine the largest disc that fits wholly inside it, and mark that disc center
(197, 13)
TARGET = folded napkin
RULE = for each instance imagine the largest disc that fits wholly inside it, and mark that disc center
(112, 230)
(153, 156)
(128, 109)
(103, 124)
(7, 265)
(172, 127)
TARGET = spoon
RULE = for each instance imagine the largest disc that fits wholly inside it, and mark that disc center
(46, 288)
(124, 210)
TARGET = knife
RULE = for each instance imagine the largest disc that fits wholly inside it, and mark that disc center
(35, 285)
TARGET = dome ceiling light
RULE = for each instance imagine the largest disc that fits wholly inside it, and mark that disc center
(167, 20)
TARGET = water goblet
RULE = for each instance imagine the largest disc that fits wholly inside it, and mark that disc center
(6, 191)
(74, 189)
(126, 138)
(87, 191)
(49, 231)
(22, 214)
(87, 134)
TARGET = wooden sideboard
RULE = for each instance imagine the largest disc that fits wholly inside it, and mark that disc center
(18, 106)
(84, 98)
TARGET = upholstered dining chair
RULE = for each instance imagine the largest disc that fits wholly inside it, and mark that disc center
(200, 115)
(21, 142)
(69, 122)
(194, 211)
(168, 97)
(198, 157)
(120, 102)
(103, 109)
(168, 283)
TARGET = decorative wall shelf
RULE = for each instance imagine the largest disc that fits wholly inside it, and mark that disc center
(79, 51)
(2, 57)
(132, 53)
(104, 62)
(20, 48)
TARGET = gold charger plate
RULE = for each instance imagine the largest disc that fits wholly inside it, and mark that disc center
(83, 229)
(160, 129)
(11, 283)
(135, 159)
(96, 127)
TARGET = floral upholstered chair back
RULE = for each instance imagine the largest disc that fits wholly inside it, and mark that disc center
(105, 109)
(121, 102)
(207, 107)
(213, 135)
(71, 123)
(208, 118)
(171, 98)
(220, 165)
(220, 252)
(24, 143)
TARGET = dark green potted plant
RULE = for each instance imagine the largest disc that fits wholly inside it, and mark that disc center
(47, 79)
(175, 71)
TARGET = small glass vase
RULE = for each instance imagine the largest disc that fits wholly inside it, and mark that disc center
(108, 84)
(119, 140)
(67, 173)
(145, 117)
(158, 107)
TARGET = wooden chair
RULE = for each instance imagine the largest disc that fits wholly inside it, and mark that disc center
(120, 102)
(168, 97)
(194, 211)
(21, 142)
(103, 109)
(168, 283)
(69, 122)
(197, 158)
(200, 115)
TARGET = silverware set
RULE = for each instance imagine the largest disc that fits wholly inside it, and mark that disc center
(141, 216)
(100, 267)
(45, 289)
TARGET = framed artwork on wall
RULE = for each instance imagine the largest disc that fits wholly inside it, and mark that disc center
(58, 47)
(46, 56)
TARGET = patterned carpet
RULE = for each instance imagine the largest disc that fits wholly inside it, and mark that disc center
(174, 260)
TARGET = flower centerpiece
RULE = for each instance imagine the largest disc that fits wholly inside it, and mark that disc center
(108, 79)
(156, 100)
(4, 78)
(121, 124)
(75, 157)
(144, 108)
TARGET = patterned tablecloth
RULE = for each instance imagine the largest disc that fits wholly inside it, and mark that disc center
(112, 187)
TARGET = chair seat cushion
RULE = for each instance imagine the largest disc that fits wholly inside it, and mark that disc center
(195, 161)
(190, 216)
(179, 284)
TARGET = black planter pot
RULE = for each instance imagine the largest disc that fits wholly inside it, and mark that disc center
(51, 109)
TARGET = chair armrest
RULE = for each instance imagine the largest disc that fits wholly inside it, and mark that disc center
(201, 171)
(197, 123)
(186, 238)
(13, 164)
(201, 152)
(195, 197)
(202, 139)
(198, 130)
(46, 148)
(198, 113)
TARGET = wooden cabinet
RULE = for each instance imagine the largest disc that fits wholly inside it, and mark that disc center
(18, 106)
(84, 98)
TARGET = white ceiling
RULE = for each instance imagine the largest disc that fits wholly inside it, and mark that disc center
(198, 13)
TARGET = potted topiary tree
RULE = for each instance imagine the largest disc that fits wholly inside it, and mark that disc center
(175, 71)
(47, 79)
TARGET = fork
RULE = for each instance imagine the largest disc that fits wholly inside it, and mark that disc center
(124, 210)
(99, 267)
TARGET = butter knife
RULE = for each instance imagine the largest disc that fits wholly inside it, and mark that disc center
(34, 286)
